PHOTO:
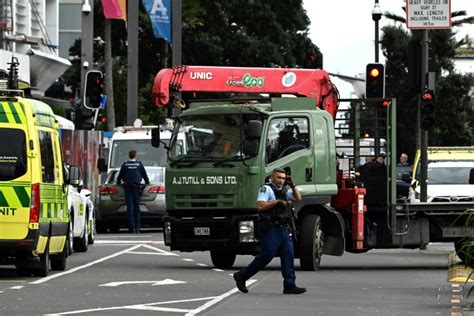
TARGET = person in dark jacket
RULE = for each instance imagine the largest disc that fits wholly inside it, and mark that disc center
(131, 174)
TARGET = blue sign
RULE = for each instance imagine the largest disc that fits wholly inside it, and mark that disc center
(159, 12)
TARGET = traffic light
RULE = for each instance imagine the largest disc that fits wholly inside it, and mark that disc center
(84, 118)
(93, 89)
(375, 81)
(427, 109)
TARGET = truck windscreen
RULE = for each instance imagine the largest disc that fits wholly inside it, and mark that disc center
(148, 155)
(211, 136)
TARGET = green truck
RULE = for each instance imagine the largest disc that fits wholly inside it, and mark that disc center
(232, 145)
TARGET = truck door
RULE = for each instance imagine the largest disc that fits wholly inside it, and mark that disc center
(288, 147)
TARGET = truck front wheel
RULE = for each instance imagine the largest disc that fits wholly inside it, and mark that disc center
(222, 260)
(311, 243)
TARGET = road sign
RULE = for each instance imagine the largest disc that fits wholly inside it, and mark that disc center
(428, 14)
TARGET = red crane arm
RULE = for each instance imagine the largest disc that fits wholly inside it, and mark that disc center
(313, 83)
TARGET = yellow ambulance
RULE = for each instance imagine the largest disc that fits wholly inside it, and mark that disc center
(34, 218)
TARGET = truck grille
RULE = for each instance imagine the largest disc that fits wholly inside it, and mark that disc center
(204, 200)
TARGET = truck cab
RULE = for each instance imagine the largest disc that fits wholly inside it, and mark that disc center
(212, 187)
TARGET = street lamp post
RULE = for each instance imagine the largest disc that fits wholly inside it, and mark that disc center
(376, 16)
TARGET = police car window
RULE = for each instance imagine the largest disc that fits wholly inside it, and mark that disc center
(285, 136)
(148, 155)
(13, 163)
(47, 157)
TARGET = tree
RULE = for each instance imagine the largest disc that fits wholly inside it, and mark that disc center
(260, 33)
(453, 112)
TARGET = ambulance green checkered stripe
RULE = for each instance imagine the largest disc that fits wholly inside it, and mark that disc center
(22, 195)
(3, 200)
(14, 196)
(17, 112)
(9, 113)
(3, 115)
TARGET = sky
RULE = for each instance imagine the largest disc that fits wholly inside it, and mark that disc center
(344, 32)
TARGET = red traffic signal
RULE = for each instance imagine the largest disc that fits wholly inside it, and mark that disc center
(93, 89)
(375, 81)
(427, 109)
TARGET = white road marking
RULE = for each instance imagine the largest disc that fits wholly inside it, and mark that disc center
(18, 287)
(216, 300)
(211, 300)
(57, 275)
(152, 283)
(217, 270)
(159, 309)
(166, 253)
(148, 253)
(202, 264)
(126, 242)
(188, 260)
(133, 306)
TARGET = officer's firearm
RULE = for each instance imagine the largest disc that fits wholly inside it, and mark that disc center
(291, 220)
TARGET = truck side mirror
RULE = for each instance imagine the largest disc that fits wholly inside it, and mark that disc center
(250, 147)
(74, 175)
(471, 176)
(254, 129)
(155, 137)
(101, 165)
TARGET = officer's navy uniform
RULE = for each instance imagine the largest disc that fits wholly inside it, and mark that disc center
(132, 172)
(275, 239)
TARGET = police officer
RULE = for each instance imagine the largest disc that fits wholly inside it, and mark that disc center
(275, 238)
(132, 172)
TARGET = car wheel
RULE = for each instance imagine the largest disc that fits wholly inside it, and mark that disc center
(43, 268)
(81, 243)
(92, 229)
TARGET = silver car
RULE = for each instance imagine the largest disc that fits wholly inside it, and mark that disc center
(111, 208)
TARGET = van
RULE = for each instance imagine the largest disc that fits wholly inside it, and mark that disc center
(34, 217)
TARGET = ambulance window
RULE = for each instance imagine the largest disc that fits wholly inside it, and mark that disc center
(13, 163)
(47, 157)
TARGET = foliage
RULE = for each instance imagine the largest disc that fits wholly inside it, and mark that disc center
(268, 33)
(453, 114)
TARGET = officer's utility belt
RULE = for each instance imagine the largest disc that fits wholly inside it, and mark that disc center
(273, 219)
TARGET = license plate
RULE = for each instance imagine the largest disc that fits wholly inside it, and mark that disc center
(202, 231)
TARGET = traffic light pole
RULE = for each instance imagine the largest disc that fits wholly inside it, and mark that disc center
(87, 35)
(132, 62)
(424, 133)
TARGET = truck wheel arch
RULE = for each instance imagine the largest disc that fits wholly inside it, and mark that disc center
(332, 225)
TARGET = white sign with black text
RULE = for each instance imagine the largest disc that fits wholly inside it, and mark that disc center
(428, 14)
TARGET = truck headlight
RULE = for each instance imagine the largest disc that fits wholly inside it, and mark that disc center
(246, 231)
(167, 233)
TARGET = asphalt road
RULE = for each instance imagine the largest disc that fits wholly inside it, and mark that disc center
(125, 274)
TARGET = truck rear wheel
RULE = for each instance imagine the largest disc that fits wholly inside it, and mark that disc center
(222, 260)
(311, 243)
